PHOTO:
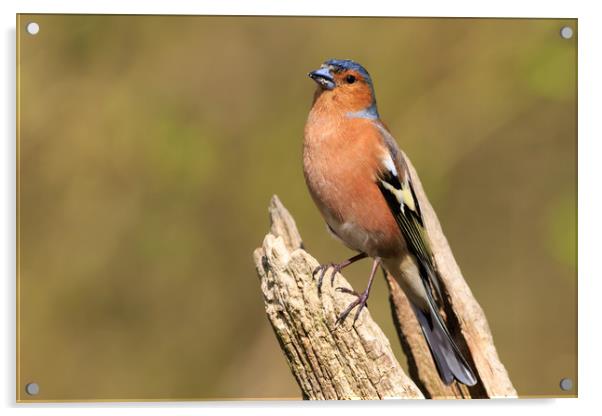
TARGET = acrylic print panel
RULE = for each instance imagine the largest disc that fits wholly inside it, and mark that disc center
(149, 148)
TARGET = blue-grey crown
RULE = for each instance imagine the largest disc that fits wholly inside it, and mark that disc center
(346, 64)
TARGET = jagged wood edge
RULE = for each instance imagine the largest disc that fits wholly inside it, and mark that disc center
(350, 362)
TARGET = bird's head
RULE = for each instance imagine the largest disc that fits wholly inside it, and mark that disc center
(348, 84)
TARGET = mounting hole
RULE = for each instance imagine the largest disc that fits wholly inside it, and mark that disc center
(566, 384)
(32, 389)
(566, 32)
(32, 28)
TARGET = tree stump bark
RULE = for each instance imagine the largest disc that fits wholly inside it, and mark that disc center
(356, 361)
(343, 363)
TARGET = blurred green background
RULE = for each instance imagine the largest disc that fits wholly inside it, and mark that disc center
(149, 149)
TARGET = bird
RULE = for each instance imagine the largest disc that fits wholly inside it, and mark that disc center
(361, 184)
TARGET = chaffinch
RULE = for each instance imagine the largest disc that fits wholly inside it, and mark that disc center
(360, 182)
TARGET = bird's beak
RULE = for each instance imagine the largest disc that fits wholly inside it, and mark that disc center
(323, 78)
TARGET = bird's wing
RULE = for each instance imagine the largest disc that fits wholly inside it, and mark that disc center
(395, 184)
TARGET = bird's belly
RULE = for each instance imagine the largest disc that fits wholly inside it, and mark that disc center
(341, 158)
(355, 236)
(355, 210)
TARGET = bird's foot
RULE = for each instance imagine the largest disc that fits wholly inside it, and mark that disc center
(336, 268)
(361, 302)
(323, 268)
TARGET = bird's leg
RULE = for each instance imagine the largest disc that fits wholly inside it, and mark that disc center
(362, 298)
(336, 268)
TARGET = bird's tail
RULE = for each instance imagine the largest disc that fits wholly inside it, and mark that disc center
(419, 284)
(446, 354)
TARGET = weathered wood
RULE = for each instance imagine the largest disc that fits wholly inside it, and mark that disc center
(349, 362)
(357, 361)
(420, 361)
(465, 318)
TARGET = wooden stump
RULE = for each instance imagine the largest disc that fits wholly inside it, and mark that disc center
(356, 361)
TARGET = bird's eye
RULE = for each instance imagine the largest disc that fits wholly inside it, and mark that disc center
(350, 79)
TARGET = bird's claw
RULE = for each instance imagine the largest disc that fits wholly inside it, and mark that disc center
(336, 268)
(348, 291)
(322, 269)
(361, 302)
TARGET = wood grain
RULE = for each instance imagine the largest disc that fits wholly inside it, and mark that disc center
(356, 362)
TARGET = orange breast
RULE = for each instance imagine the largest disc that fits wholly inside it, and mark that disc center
(341, 158)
